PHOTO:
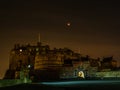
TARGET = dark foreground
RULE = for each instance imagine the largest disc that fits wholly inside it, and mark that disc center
(68, 85)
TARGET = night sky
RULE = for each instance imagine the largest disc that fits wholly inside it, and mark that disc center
(94, 29)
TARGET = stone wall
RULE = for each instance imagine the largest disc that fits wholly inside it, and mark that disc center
(109, 74)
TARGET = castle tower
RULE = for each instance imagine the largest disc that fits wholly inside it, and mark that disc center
(39, 41)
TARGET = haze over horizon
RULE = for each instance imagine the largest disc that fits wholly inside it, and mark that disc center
(94, 28)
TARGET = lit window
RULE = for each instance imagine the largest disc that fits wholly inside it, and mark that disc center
(20, 50)
(29, 66)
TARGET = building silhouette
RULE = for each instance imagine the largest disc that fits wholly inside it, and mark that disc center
(40, 62)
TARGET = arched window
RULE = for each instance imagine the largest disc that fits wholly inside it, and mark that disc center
(81, 74)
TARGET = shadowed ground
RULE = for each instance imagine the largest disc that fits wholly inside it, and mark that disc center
(68, 85)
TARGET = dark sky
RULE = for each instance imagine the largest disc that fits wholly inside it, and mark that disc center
(94, 30)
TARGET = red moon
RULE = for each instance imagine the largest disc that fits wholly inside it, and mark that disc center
(68, 24)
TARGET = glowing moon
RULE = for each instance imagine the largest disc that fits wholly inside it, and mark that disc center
(68, 24)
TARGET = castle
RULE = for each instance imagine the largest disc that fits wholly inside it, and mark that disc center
(40, 62)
